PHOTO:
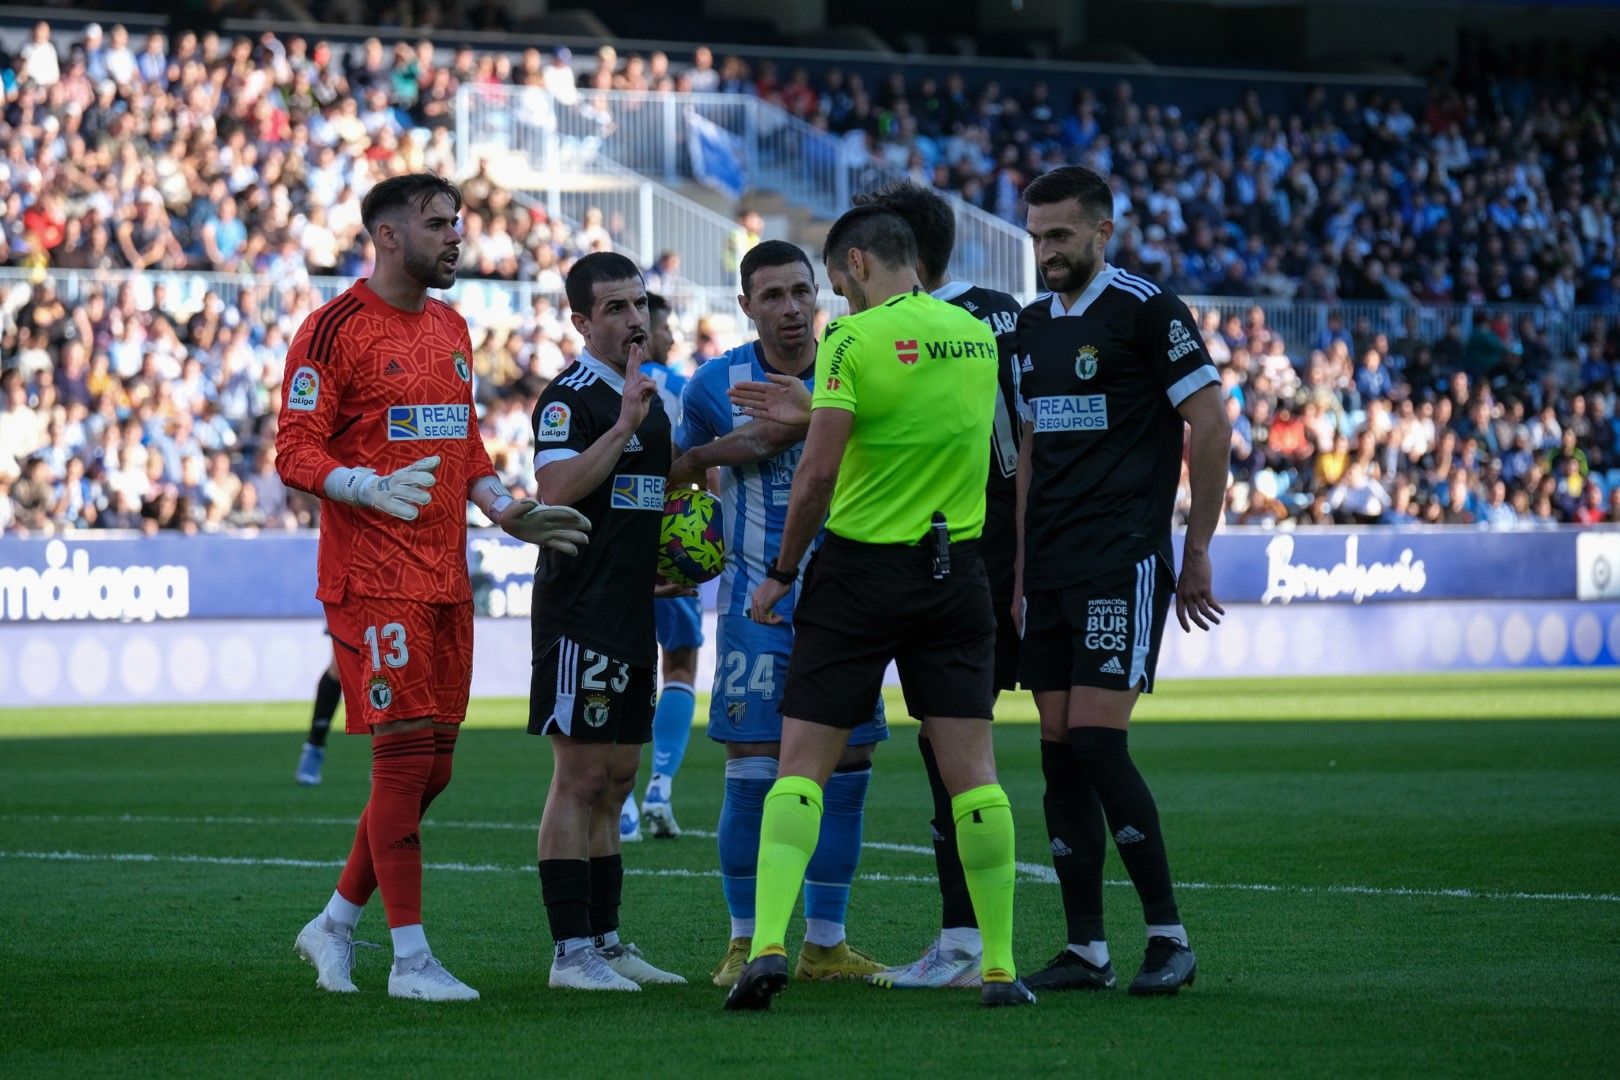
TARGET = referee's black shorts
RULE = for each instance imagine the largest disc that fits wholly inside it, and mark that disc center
(864, 605)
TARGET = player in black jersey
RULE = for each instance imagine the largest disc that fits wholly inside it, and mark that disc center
(953, 959)
(603, 446)
(1111, 370)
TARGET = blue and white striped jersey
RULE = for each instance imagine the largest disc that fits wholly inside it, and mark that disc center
(670, 385)
(754, 498)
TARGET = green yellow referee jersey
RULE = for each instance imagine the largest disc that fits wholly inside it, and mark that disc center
(920, 376)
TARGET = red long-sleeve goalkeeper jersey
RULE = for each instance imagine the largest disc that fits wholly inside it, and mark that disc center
(370, 384)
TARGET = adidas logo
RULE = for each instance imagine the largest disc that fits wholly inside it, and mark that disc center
(1128, 835)
(939, 837)
(970, 305)
(1027, 364)
(1059, 848)
(1112, 667)
(411, 842)
(635, 445)
(394, 368)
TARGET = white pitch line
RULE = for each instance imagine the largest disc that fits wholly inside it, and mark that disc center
(333, 864)
(1031, 872)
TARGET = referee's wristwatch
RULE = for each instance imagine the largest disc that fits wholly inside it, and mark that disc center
(781, 577)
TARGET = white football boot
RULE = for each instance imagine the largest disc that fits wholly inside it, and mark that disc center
(584, 969)
(937, 969)
(423, 978)
(627, 961)
(659, 816)
(331, 951)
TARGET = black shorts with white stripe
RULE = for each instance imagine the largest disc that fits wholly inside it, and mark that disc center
(1103, 633)
(589, 695)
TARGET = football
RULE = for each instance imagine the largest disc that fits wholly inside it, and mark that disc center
(691, 547)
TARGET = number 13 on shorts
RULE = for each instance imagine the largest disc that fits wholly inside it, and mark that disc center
(402, 660)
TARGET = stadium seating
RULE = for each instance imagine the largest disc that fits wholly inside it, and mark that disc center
(175, 208)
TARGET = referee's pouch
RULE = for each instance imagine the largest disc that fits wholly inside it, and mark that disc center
(840, 556)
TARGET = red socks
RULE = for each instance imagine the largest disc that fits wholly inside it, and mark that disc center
(387, 852)
(444, 747)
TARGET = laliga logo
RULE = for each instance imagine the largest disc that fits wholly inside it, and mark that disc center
(304, 384)
(61, 591)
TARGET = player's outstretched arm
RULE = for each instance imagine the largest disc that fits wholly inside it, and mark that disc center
(559, 528)
(1209, 450)
(784, 399)
(757, 440)
(400, 494)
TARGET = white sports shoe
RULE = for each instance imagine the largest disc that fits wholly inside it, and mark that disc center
(629, 821)
(626, 959)
(584, 969)
(425, 979)
(660, 818)
(937, 969)
(331, 951)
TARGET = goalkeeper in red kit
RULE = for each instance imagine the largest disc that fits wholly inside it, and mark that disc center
(377, 419)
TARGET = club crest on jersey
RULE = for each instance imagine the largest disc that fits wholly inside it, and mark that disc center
(379, 693)
(633, 492)
(1085, 361)
(737, 712)
(554, 422)
(305, 390)
(906, 351)
(596, 710)
(407, 423)
(459, 358)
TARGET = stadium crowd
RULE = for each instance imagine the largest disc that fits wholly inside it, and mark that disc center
(127, 406)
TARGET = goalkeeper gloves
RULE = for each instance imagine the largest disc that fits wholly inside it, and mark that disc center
(560, 528)
(398, 494)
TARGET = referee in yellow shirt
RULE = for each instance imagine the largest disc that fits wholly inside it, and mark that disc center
(898, 448)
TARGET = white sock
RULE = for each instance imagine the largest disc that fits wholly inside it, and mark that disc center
(658, 788)
(962, 939)
(607, 940)
(823, 932)
(570, 946)
(1094, 953)
(1174, 930)
(742, 928)
(409, 941)
(342, 914)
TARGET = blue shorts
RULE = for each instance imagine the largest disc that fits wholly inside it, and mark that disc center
(750, 673)
(679, 622)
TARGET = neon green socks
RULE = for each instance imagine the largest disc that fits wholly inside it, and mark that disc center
(984, 836)
(787, 838)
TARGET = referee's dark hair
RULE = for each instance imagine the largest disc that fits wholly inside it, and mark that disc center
(769, 253)
(401, 192)
(932, 222)
(592, 270)
(873, 229)
(1076, 182)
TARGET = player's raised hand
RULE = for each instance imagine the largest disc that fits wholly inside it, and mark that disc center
(639, 390)
(1195, 592)
(401, 493)
(784, 399)
(559, 528)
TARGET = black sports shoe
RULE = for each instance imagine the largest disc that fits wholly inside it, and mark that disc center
(996, 994)
(763, 978)
(1168, 966)
(1071, 971)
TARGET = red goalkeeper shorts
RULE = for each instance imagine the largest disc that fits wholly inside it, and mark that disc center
(401, 660)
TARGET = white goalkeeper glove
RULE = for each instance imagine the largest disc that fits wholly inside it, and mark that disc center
(398, 494)
(559, 528)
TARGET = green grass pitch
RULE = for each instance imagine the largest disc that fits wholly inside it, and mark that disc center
(1434, 893)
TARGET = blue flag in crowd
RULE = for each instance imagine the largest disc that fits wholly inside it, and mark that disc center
(717, 155)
